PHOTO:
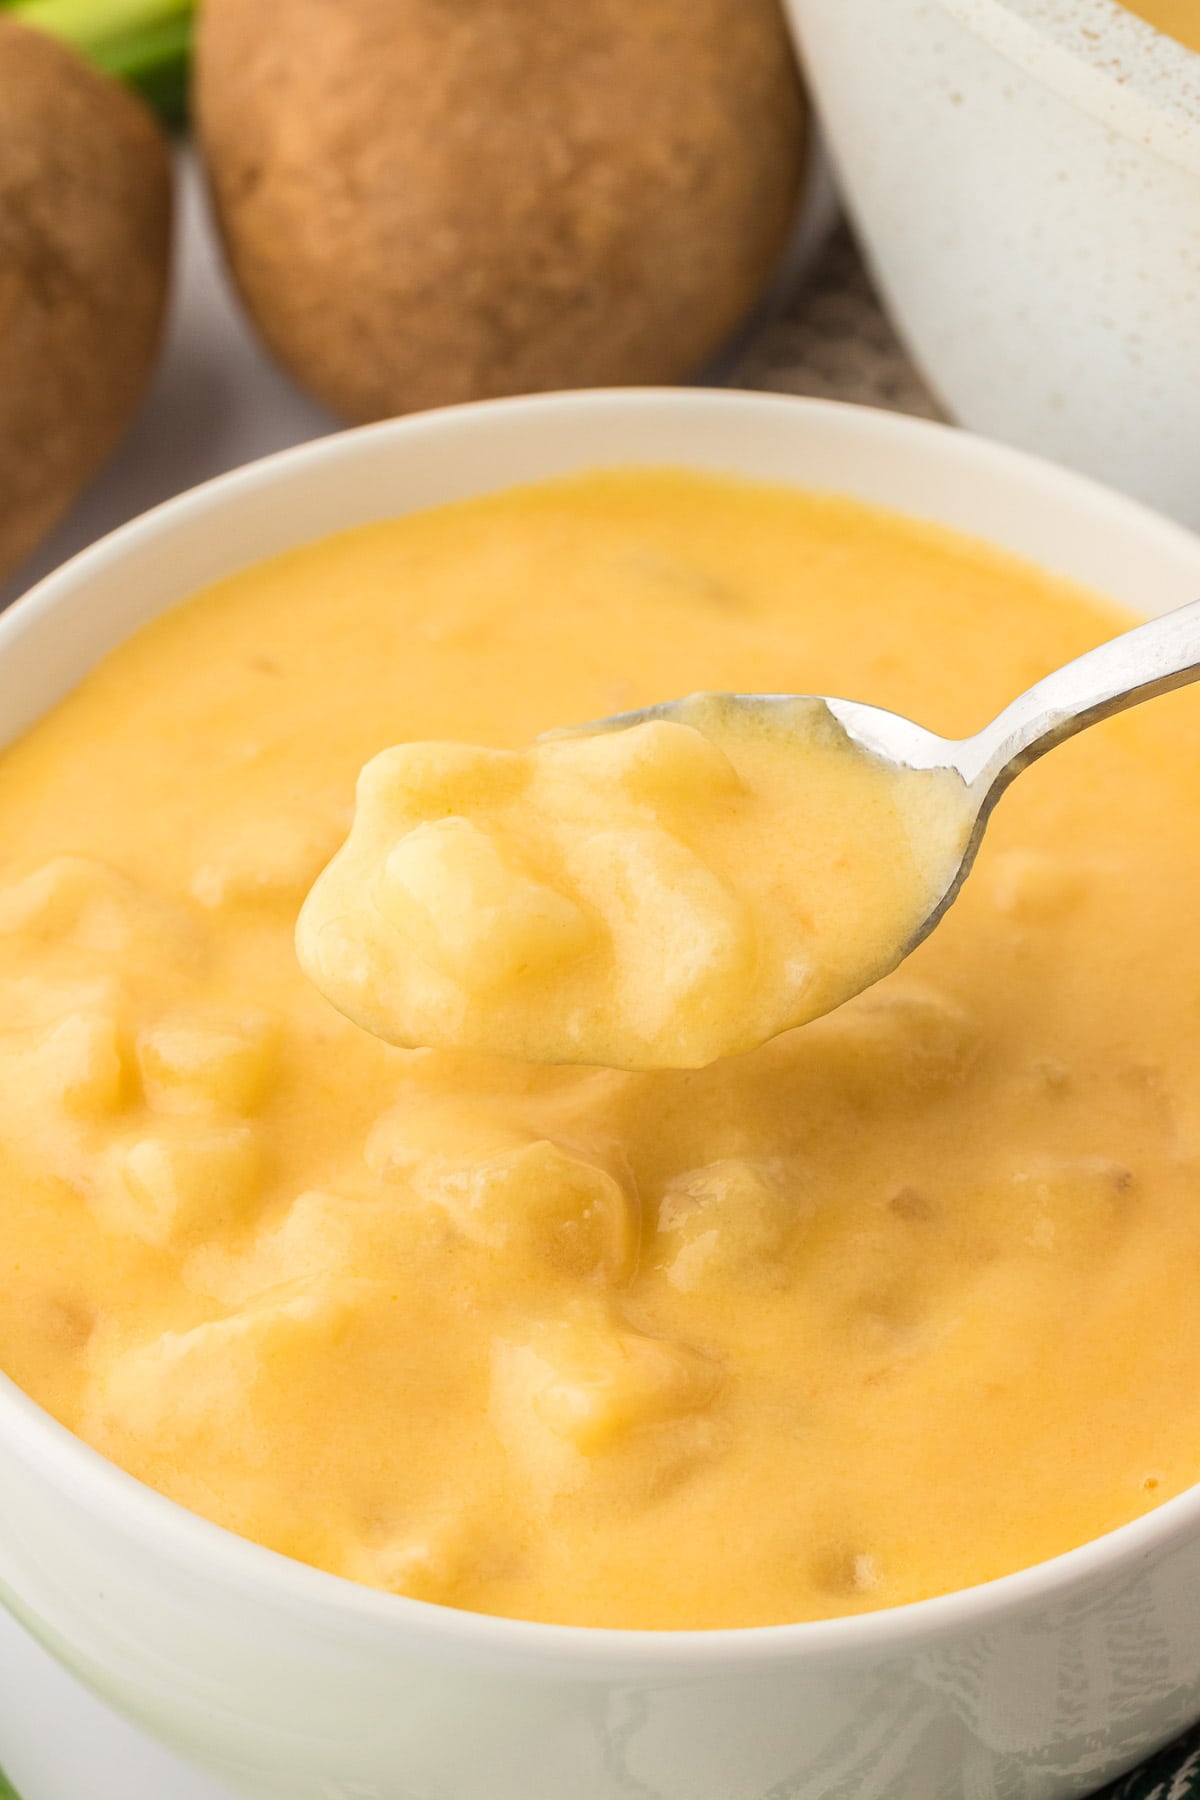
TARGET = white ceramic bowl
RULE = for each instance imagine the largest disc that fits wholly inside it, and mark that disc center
(287, 1682)
(1026, 177)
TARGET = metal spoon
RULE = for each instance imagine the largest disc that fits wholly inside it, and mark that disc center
(1138, 665)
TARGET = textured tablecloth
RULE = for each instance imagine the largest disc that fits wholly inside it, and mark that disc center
(1174, 1774)
(835, 342)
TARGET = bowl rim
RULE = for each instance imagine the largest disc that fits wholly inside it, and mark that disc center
(165, 1529)
(1104, 60)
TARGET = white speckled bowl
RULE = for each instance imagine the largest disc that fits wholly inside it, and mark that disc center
(1026, 177)
(290, 1684)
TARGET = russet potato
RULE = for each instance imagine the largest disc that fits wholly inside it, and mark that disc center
(425, 203)
(85, 217)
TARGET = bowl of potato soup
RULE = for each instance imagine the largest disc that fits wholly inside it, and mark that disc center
(409, 1393)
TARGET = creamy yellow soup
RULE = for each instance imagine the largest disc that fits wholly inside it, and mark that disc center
(1179, 19)
(901, 1300)
(652, 897)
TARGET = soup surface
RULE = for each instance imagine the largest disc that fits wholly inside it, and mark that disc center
(900, 1301)
(1179, 19)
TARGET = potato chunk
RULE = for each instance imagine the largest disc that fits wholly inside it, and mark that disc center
(728, 1220)
(1034, 886)
(506, 1189)
(266, 863)
(321, 1234)
(411, 782)
(74, 1066)
(659, 762)
(189, 1388)
(83, 902)
(162, 1187)
(428, 1559)
(468, 908)
(900, 1041)
(198, 1064)
(680, 939)
(594, 1386)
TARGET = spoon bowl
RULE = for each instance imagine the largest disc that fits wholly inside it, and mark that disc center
(1137, 665)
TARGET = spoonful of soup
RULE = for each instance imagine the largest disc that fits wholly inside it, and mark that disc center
(669, 886)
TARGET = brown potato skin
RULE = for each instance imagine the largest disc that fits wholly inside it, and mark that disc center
(427, 201)
(85, 218)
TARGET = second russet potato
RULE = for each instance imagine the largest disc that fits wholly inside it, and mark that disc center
(85, 228)
(425, 203)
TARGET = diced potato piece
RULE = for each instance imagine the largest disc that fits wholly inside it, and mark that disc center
(460, 899)
(1034, 886)
(321, 1234)
(680, 937)
(435, 1130)
(316, 1237)
(271, 861)
(39, 1002)
(593, 1387)
(542, 1200)
(194, 1064)
(53, 900)
(660, 761)
(568, 1212)
(504, 1188)
(161, 1187)
(846, 1572)
(74, 1066)
(899, 1039)
(422, 1568)
(79, 1062)
(728, 1221)
(93, 906)
(191, 1387)
(419, 781)
(425, 1562)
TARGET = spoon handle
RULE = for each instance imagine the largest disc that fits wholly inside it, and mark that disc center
(1139, 664)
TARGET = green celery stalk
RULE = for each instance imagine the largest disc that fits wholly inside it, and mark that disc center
(7, 1790)
(143, 42)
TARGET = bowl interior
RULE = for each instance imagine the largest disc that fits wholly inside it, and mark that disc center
(50, 639)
